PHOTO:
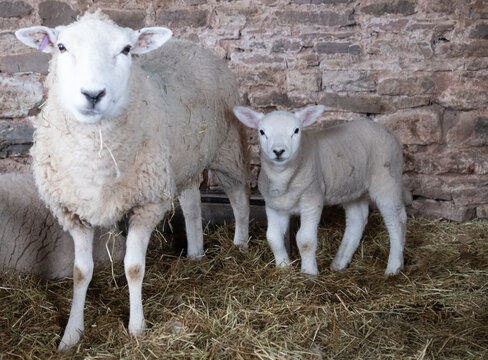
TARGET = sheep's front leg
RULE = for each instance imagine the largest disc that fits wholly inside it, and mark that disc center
(307, 238)
(142, 223)
(277, 226)
(82, 274)
(192, 211)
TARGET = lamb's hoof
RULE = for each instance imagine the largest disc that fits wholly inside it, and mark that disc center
(70, 338)
(394, 267)
(394, 271)
(283, 264)
(310, 272)
(337, 266)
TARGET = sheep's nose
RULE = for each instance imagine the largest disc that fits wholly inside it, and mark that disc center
(93, 96)
(278, 152)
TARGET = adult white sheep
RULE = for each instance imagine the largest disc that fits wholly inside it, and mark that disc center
(118, 136)
(340, 165)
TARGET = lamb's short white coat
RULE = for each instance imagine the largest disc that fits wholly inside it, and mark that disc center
(121, 135)
(343, 164)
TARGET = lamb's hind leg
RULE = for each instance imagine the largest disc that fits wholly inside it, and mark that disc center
(356, 219)
(191, 206)
(82, 274)
(141, 225)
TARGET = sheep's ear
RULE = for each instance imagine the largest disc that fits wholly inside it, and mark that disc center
(150, 38)
(309, 115)
(38, 37)
(247, 116)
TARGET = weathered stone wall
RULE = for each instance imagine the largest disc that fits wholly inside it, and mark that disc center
(418, 66)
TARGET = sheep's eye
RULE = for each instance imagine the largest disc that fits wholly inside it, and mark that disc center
(61, 48)
(261, 132)
(297, 130)
(126, 50)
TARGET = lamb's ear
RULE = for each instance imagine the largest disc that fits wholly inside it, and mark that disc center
(309, 115)
(38, 37)
(150, 38)
(247, 116)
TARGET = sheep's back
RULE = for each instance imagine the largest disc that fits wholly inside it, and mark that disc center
(198, 93)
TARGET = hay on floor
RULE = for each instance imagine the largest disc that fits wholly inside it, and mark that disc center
(234, 305)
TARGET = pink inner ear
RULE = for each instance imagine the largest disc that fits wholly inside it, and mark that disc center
(44, 42)
(144, 41)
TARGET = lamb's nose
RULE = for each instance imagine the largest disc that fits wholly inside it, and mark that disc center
(93, 96)
(278, 152)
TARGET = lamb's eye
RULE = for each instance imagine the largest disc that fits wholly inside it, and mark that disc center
(261, 132)
(126, 50)
(61, 48)
(297, 130)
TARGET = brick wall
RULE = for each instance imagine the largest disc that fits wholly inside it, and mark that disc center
(418, 66)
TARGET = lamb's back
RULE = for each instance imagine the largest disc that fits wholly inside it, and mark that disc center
(353, 155)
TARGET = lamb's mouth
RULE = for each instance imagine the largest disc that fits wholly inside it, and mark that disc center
(89, 112)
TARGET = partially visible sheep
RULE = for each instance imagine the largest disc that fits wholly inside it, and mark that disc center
(118, 137)
(340, 165)
(32, 241)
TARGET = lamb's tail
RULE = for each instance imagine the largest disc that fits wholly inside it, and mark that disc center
(407, 197)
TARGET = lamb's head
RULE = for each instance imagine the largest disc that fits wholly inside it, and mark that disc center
(279, 131)
(92, 59)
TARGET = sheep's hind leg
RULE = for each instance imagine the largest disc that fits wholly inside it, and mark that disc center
(356, 219)
(142, 223)
(191, 206)
(277, 227)
(82, 274)
(395, 218)
(230, 167)
(237, 191)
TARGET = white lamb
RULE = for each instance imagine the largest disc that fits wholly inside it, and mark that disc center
(340, 165)
(120, 135)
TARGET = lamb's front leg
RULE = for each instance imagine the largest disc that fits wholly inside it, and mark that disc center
(307, 238)
(142, 223)
(82, 274)
(277, 226)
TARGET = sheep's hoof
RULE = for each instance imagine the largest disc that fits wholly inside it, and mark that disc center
(137, 331)
(242, 245)
(243, 248)
(195, 257)
(70, 338)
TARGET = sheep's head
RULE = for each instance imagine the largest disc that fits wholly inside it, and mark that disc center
(280, 131)
(93, 59)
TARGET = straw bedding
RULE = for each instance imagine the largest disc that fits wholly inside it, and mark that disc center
(234, 305)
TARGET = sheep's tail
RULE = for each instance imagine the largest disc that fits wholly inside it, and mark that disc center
(407, 197)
